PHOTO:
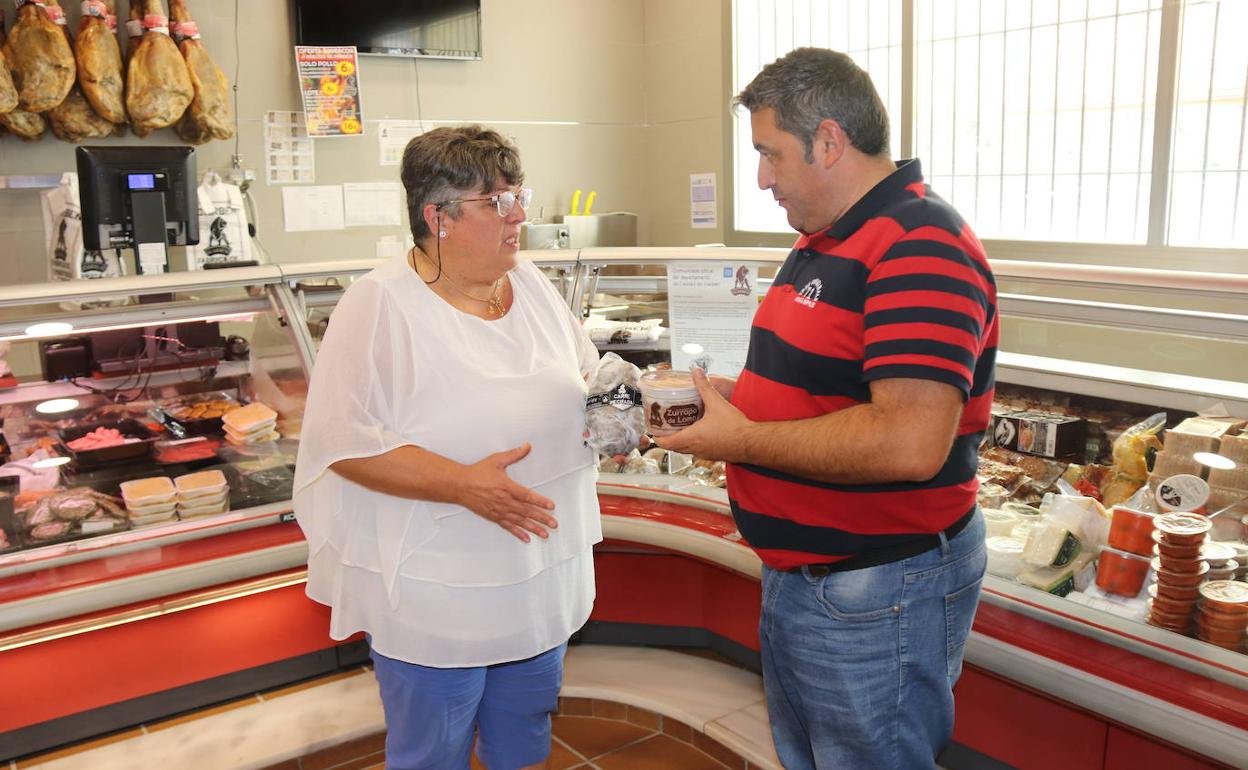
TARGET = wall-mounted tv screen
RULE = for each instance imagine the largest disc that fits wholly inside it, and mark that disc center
(443, 29)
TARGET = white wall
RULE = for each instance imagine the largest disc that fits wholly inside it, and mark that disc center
(575, 61)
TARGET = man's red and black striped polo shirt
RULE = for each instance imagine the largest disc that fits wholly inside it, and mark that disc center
(898, 287)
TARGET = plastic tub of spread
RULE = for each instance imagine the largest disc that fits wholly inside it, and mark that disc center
(203, 484)
(210, 501)
(670, 401)
(1185, 566)
(247, 419)
(999, 523)
(1131, 530)
(1225, 572)
(1005, 555)
(1183, 492)
(152, 509)
(1121, 572)
(1170, 550)
(1175, 593)
(1218, 554)
(1180, 579)
(209, 509)
(1226, 596)
(1183, 528)
(1208, 633)
(1170, 606)
(1221, 619)
(1179, 621)
(148, 492)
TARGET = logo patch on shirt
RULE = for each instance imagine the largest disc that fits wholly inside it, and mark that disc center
(809, 294)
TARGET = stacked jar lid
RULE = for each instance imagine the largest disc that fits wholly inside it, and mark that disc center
(1178, 569)
(1223, 618)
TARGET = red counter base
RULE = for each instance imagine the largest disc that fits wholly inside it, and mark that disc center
(76, 687)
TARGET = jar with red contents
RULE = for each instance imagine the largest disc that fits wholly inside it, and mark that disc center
(1121, 572)
(1131, 530)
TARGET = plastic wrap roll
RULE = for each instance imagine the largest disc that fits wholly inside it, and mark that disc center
(1005, 556)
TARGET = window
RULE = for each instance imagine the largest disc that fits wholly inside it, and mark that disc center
(765, 30)
(1044, 120)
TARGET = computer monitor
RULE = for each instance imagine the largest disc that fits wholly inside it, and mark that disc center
(141, 198)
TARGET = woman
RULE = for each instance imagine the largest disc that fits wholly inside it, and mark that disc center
(443, 484)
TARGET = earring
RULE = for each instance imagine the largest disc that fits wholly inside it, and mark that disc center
(442, 234)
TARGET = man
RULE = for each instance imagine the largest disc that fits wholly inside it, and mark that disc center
(851, 435)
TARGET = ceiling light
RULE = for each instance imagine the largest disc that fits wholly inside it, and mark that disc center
(56, 405)
(49, 462)
(49, 329)
(1214, 460)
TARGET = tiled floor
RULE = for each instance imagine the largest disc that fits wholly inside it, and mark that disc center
(621, 708)
(591, 742)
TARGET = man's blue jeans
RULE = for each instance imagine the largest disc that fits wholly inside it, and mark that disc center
(859, 666)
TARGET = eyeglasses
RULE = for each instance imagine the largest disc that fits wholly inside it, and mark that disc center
(504, 201)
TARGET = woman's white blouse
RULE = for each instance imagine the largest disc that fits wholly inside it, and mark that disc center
(434, 583)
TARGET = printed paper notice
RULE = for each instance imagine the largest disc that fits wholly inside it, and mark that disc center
(703, 213)
(372, 204)
(393, 136)
(289, 154)
(312, 208)
(712, 305)
(329, 79)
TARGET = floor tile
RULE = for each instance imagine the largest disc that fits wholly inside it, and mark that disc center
(660, 752)
(593, 737)
(562, 758)
(576, 707)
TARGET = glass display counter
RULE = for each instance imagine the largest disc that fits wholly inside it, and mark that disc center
(1109, 347)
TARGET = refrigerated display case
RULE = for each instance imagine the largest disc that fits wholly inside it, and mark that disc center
(1048, 678)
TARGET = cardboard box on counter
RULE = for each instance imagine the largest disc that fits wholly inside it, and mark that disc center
(1048, 435)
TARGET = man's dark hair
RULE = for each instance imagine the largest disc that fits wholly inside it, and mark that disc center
(455, 162)
(810, 85)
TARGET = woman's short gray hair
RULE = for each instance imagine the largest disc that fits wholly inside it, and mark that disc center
(454, 162)
(810, 85)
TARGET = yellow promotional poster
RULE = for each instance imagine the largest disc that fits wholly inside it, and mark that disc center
(329, 79)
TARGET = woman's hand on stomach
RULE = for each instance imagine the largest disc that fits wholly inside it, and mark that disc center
(490, 493)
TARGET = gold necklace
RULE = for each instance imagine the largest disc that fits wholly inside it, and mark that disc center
(493, 303)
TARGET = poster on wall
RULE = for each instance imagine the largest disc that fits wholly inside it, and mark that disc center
(712, 306)
(329, 81)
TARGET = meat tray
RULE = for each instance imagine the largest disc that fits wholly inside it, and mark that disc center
(92, 457)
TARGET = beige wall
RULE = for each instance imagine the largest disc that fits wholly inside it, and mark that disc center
(687, 112)
(574, 61)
